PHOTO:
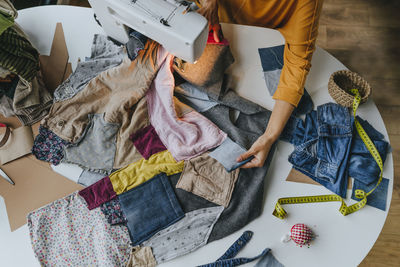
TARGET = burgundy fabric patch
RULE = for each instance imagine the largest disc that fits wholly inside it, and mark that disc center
(98, 193)
(147, 142)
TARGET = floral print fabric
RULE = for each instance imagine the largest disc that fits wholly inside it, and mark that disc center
(48, 146)
(66, 233)
(113, 212)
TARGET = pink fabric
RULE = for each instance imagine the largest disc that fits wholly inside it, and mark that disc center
(186, 136)
(211, 40)
(147, 142)
(98, 193)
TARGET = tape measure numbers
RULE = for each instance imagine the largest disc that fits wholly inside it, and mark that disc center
(360, 194)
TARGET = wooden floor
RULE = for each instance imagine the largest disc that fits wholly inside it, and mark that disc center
(365, 36)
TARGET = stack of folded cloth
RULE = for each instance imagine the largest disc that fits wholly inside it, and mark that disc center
(22, 91)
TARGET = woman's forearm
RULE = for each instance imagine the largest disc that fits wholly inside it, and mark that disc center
(280, 115)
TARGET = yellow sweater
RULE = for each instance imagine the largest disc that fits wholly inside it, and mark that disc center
(297, 20)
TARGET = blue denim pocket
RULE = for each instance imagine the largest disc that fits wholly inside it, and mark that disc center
(150, 207)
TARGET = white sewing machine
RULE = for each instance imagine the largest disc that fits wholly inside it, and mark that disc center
(169, 22)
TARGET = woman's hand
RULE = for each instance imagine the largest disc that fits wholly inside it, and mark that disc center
(259, 150)
(209, 10)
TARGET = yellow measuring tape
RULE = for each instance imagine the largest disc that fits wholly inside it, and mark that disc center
(360, 194)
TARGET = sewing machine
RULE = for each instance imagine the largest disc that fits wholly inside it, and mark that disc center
(171, 23)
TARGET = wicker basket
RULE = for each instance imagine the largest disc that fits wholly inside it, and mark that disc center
(340, 84)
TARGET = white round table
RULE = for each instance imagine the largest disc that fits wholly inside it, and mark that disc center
(341, 241)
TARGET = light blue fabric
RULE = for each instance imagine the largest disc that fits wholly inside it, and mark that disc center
(194, 97)
(227, 153)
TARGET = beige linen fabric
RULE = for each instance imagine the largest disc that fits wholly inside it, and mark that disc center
(206, 177)
(141, 257)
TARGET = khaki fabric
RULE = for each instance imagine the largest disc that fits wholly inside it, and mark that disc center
(114, 92)
(19, 143)
(126, 152)
(141, 257)
(8, 8)
(206, 177)
(296, 20)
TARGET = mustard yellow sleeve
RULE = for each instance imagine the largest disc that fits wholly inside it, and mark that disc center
(300, 33)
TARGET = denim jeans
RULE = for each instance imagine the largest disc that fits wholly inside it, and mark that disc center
(328, 148)
(229, 260)
(272, 64)
(322, 146)
(150, 207)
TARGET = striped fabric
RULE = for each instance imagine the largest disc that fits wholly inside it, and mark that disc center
(18, 55)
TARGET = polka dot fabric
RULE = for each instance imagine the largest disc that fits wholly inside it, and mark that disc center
(301, 234)
(66, 233)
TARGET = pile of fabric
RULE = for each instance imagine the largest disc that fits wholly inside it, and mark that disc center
(22, 91)
(159, 155)
(159, 158)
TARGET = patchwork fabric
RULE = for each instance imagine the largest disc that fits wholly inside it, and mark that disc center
(147, 141)
(141, 257)
(268, 260)
(113, 212)
(206, 177)
(48, 146)
(186, 136)
(184, 236)
(150, 207)
(105, 55)
(96, 148)
(66, 233)
(139, 172)
(115, 93)
(98, 193)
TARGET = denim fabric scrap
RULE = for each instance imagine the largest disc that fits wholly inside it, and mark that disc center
(95, 150)
(113, 212)
(362, 166)
(98, 193)
(184, 236)
(147, 141)
(206, 177)
(323, 150)
(377, 199)
(229, 260)
(150, 207)
(141, 257)
(47, 146)
(136, 43)
(66, 233)
(87, 178)
(272, 64)
(105, 54)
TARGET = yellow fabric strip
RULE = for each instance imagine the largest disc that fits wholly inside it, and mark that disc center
(143, 170)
